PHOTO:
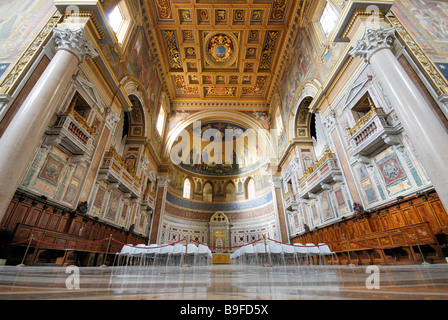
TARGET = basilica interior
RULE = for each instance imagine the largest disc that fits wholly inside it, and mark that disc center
(223, 123)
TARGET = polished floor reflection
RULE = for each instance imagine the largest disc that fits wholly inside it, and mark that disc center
(226, 282)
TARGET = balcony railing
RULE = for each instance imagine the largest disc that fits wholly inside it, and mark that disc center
(115, 170)
(322, 172)
(371, 132)
(290, 202)
(71, 131)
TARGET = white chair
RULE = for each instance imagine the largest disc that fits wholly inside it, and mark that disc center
(177, 255)
(151, 252)
(248, 252)
(325, 251)
(262, 252)
(125, 253)
(301, 253)
(235, 256)
(191, 252)
(139, 250)
(288, 253)
(276, 253)
(204, 253)
(162, 257)
(313, 251)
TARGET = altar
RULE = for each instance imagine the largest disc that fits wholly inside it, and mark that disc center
(221, 258)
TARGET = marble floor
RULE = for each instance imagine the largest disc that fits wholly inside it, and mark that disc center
(225, 282)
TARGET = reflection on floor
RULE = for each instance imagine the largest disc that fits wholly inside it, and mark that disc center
(226, 282)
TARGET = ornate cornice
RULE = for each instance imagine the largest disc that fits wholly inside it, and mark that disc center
(361, 14)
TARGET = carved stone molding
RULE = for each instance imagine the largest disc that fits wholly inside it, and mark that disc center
(74, 41)
(277, 181)
(111, 119)
(330, 120)
(373, 41)
(163, 181)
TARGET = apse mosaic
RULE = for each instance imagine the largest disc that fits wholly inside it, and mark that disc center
(213, 158)
(199, 206)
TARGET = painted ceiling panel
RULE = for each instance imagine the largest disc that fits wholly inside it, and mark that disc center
(222, 50)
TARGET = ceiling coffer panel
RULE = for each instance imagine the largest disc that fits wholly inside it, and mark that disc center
(217, 50)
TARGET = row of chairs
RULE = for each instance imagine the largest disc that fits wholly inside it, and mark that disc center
(164, 255)
(283, 254)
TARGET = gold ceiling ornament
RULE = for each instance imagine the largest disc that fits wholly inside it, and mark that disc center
(173, 50)
(258, 88)
(164, 9)
(268, 50)
(182, 88)
(229, 40)
(220, 91)
(220, 49)
(186, 14)
(278, 9)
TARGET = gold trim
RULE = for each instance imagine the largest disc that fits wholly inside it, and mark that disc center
(362, 122)
(88, 14)
(24, 62)
(432, 72)
(112, 153)
(327, 156)
(358, 14)
(81, 121)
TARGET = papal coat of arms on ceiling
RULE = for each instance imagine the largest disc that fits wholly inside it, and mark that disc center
(220, 49)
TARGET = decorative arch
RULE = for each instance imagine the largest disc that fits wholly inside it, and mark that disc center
(234, 117)
(305, 94)
(303, 120)
(188, 187)
(208, 191)
(231, 191)
(219, 217)
(249, 188)
(134, 88)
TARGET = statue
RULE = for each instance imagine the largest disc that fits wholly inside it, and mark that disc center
(357, 208)
(82, 207)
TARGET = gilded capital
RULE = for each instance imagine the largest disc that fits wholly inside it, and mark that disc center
(74, 41)
(372, 41)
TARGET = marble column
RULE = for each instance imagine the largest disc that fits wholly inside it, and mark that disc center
(157, 219)
(23, 136)
(424, 128)
(277, 186)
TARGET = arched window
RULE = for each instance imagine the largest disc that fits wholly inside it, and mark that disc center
(251, 189)
(187, 189)
(230, 192)
(207, 193)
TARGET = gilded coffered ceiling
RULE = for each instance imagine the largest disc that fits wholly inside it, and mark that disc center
(222, 53)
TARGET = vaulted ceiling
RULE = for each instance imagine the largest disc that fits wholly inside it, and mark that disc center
(222, 53)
